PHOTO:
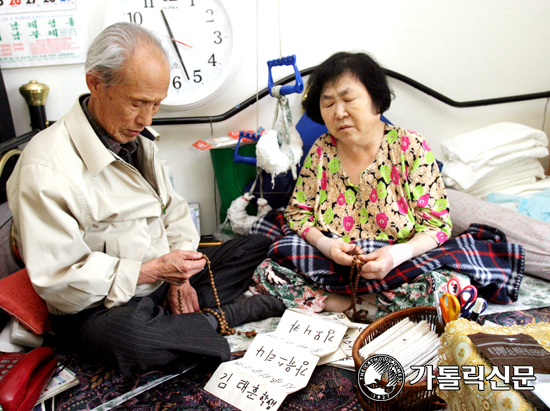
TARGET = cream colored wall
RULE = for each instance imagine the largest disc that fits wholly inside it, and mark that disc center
(466, 50)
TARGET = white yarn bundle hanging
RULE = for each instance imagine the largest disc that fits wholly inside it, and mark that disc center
(278, 151)
(240, 220)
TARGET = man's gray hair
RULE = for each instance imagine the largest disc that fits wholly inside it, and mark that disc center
(114, 47)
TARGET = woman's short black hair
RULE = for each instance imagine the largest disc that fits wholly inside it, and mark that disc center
(360, 65)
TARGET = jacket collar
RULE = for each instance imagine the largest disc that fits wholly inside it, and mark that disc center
(92, 151)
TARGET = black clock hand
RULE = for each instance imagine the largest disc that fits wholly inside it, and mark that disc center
(174, 43)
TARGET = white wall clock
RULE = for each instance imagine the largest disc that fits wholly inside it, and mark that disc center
(204, 53)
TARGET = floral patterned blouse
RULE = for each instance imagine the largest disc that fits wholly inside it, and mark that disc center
(400, 194)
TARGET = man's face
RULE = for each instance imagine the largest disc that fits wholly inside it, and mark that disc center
(123, 110)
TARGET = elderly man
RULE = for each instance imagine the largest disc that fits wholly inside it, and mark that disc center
(108, 244)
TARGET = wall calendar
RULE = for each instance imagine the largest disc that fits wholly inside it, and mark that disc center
(41, 33)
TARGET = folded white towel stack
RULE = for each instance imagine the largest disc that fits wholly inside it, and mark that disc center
(494, 158)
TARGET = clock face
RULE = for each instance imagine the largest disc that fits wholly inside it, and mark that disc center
(203, 53)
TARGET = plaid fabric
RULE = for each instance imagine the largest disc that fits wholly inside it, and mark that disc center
(494, 266)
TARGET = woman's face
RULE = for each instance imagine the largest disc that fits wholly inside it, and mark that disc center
(348, 111)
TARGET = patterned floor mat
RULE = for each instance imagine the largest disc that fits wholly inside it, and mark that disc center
(330, 388)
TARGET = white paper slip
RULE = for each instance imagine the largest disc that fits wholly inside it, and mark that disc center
(321, 336)
(281, 362)
(289, 364)
(342, 357)
(235, 386)
(272, 368)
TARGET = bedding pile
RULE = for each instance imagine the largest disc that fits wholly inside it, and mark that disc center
(500, 158)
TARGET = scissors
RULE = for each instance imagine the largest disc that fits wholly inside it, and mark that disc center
(467, 295)
(450, 307)
(468, 304)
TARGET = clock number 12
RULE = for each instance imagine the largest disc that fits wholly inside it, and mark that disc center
(150, 2)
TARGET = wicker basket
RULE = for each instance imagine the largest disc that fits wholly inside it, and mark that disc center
(412, 397)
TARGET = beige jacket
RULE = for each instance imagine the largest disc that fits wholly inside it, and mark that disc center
(86, 220)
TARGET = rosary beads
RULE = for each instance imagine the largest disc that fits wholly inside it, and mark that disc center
(225, 329)
(351, 312)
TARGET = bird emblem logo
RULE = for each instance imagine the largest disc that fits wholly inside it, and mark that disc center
(381, 377)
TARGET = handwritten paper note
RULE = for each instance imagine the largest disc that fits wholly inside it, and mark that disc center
(277, 363)
(343, 357)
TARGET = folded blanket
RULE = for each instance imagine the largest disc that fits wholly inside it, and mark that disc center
(526, 171)
(494, 266)
(461, 176)
(474, 155)
(483, 190)
(492, 143)
(527, 190)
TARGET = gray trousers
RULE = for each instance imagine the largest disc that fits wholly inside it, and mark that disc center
(141, 335)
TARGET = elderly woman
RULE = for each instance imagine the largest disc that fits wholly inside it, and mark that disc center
(364, 179)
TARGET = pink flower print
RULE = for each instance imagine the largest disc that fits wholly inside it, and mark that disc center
(439, 213)
(382, 220)
(324, 181)
(426, 145)
(333, 141)
(402, 205)
(312, 301)
(348, 223)
(373, 195)
(423, 200)
(319, 152)
(441, 237)
(341, 200)
(405, 143)
(394, 175)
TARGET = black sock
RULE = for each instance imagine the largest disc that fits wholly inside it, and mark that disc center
(212, 320)
(255, 308)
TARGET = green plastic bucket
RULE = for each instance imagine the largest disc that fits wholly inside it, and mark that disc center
(231, 177)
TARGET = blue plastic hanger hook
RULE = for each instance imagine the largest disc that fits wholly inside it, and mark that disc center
(285, 61)
(237, 158)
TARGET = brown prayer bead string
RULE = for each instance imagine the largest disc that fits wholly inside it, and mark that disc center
(351, 312)
(225, 329)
